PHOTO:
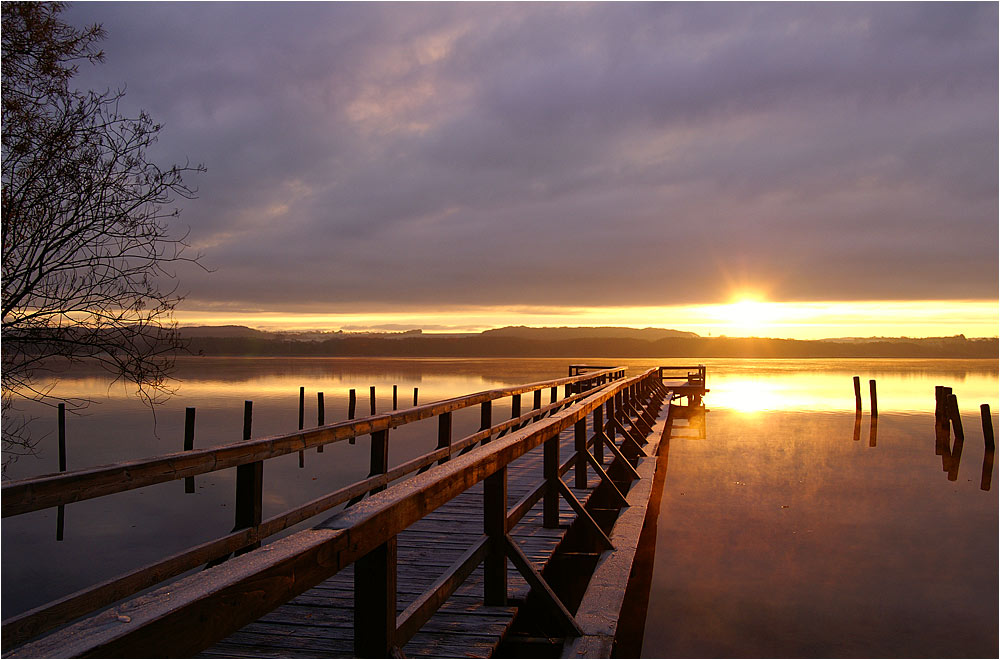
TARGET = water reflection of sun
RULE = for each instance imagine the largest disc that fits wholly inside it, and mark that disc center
(748, 396)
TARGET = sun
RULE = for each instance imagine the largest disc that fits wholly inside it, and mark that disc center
(749, 312)
(748, 315)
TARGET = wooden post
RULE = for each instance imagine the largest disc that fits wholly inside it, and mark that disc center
(61, 510)
(598, 434)
(990, 443)
(987, 478)
(956, 458)
(942, 432)
(375, 602)
(249, 486)
(873, 430)
(515, 406)
(444, 434)
(320, 416)
(371, 397)
(352, 404)
(857, 425)
(871, 387)
(857, 393)
(609, 410)
(395, 399)
(302, 422)
(580, 444)
(938, 404)
(486, 418)
(495, 527)
(61, 421)
(379, 455)
(955, 416)
(536, 404)
(415, 396)
(550, 470)
(188, 444)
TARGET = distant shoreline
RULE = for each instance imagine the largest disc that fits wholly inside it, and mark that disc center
(574, 342)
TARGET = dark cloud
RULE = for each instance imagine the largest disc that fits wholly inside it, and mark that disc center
(579, 154)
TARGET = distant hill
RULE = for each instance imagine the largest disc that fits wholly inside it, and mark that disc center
(225, 331)
(569, 343)
(606, 332)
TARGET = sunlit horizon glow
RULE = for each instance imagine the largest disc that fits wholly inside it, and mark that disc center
(745, 317)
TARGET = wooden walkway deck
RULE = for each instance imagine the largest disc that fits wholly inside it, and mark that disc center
(320, 622)
(474, 547)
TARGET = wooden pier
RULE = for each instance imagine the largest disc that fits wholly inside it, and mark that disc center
(517, 537)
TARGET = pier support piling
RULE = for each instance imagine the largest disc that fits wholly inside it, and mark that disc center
(188, 444)
(988, 440)
(320, 416)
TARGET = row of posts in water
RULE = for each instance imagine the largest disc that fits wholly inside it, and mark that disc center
(946, 413)
(946, 418)
(189, 419)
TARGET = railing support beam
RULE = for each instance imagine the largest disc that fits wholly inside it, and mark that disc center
(375, 602)
(495, 527)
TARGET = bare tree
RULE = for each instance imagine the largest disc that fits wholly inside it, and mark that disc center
(87, 250)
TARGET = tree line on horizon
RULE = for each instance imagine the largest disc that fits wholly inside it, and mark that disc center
(487, 345)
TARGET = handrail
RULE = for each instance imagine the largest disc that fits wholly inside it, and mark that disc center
(35, 621)
(252, 584)
(28, 624)
(42, 492)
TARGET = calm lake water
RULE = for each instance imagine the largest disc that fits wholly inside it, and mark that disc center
(786, 531)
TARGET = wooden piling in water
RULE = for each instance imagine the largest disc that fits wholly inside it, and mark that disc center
(988, 439)
(371, 398)
(188, 444)
(352, 403)
(249, 486)
(61, 510)
(395, 400)
(955, 416)
(871, 388)
(987, 477)
(415, 396)
(857, 393)
(320, 416)
(61, 420)
(302, 422)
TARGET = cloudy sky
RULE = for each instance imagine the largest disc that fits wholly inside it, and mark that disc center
(472, 164)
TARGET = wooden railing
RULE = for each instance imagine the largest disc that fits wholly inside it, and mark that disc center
(26, 495)
(694, 375)
(173, 619)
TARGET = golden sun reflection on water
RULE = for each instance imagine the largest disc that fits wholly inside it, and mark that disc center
(834, 392)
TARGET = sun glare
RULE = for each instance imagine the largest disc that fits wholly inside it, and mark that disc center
(749, 314)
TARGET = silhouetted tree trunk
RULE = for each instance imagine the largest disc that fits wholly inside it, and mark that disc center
(86, 246)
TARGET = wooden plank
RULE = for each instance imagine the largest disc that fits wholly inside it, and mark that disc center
(307, 556)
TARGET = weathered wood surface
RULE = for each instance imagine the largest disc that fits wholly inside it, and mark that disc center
(34, 622)
(320, 621)
(249, 591)
(32, 494)
(599, 611)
